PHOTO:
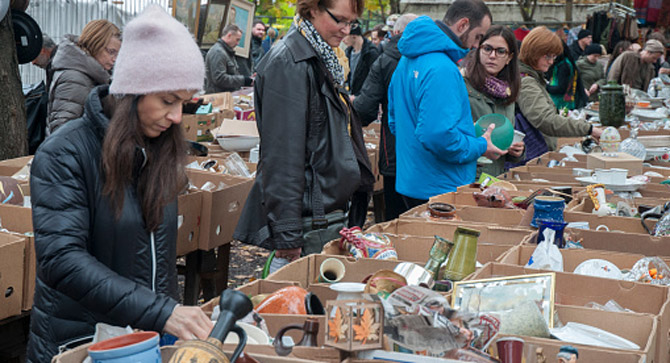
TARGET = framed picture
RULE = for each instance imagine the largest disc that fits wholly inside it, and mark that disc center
(187, 12)
(505, 293)
(241, 13)
(214, 20)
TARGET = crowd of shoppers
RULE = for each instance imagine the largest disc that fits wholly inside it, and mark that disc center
(105, 182)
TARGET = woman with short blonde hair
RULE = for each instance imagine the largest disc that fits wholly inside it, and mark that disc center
(80, 64)
(538, 118)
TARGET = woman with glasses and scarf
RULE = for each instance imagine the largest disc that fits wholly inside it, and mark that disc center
(541, 121)
(492, 81)
(80, 64)
(313, 156)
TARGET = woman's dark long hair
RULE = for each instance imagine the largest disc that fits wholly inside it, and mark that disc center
(476, 73)
(159, 180)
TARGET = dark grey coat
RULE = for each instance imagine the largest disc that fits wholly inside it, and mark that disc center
(221, 69)
(75, 73)
(91, 267)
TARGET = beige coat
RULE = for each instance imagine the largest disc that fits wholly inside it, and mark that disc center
(629, 69)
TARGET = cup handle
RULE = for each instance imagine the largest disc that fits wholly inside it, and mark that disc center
(240, 346)
(278, 343)
(602, 226)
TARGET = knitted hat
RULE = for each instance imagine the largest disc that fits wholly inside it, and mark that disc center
(583, 34)
(654, 46)
(157, 54)
(593, 48)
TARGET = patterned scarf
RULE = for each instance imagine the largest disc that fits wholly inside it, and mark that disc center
(497, 88)
(324, 50)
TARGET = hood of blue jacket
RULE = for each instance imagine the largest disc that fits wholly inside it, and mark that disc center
(423, 36)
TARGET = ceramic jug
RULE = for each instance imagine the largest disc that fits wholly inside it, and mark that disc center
(463, 257)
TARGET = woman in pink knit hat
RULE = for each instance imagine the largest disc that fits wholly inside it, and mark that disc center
(104, 192)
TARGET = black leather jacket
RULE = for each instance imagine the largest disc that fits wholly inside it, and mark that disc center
(302, 120)
(375, 92)
(91, 267)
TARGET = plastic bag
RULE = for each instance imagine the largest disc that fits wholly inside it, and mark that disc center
(546, 255)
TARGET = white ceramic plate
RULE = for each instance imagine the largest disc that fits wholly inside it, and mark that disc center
(648, 114)
(589, 335)
(599, 268)
(630, 185)
(237, 142)
(254, 335)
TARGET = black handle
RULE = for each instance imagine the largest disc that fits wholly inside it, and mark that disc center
(278, 343)
(242, 343)
(649, 215)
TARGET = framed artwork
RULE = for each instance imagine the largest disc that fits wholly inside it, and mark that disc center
(214, 20)
(187, 12)
(241, 13)
(505, 293)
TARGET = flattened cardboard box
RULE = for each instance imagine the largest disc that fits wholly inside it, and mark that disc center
(12, 249)
(221, 208)
(20, 220)
(188, 229)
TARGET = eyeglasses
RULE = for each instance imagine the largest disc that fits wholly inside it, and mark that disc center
(500, 52)
(550, 57)
(351, 24)
(112, 52)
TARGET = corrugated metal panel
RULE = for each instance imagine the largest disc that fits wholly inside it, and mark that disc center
(60, 17)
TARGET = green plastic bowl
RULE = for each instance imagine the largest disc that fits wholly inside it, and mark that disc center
(502, 135)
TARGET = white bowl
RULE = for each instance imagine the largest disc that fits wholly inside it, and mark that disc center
(237, 142)
(254, 335)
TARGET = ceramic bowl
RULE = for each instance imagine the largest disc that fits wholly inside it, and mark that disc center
(237, 142)
(502, 135)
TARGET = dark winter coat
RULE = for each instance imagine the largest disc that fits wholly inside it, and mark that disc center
(369, 53)
(92, 267)
(375, 92)
(75, 73)
(222, 72)
(257, 51)
(304, 124)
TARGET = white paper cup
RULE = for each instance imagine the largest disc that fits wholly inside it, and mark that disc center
(518, 136)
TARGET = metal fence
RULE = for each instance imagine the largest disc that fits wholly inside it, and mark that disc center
(60, 17)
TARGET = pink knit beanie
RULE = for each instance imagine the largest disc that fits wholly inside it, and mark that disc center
(157, 54)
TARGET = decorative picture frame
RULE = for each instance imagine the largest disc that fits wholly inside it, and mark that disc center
(241, 13)
(505, 293)
(187, 12)
(214, 20)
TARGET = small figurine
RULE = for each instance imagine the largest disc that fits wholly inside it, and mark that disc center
(567, 354)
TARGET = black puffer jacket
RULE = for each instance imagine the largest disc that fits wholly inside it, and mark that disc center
(91, 267)
(369, 53)
(282, 192)
(374, 92)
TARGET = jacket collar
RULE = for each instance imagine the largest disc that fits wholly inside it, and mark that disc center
(93, 110)
(226, 47)
(298, 45)
(528, 70)
(391, 48)
(449, 33)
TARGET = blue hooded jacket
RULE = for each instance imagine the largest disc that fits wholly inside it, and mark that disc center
(429, 112)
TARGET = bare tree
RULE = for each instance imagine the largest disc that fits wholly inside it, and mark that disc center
(14, 139)
(527, 8)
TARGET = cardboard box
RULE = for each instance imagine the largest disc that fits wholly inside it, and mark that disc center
(221, 100)
(497, 235)
(467, 198)
(188, 229)
(12, 249)
(621, 160)
(10, 166)
(578, 290)
(550, 348)
(417, 249)
(481, 215)
(643, 244)
(221, 208)
(219, 158)
(78, 354)
(20, 220)
(520, 255)
(199, 127)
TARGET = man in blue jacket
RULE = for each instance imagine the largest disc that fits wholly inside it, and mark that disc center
(429, 110)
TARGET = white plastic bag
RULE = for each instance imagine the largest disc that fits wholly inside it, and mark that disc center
(546, 255)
